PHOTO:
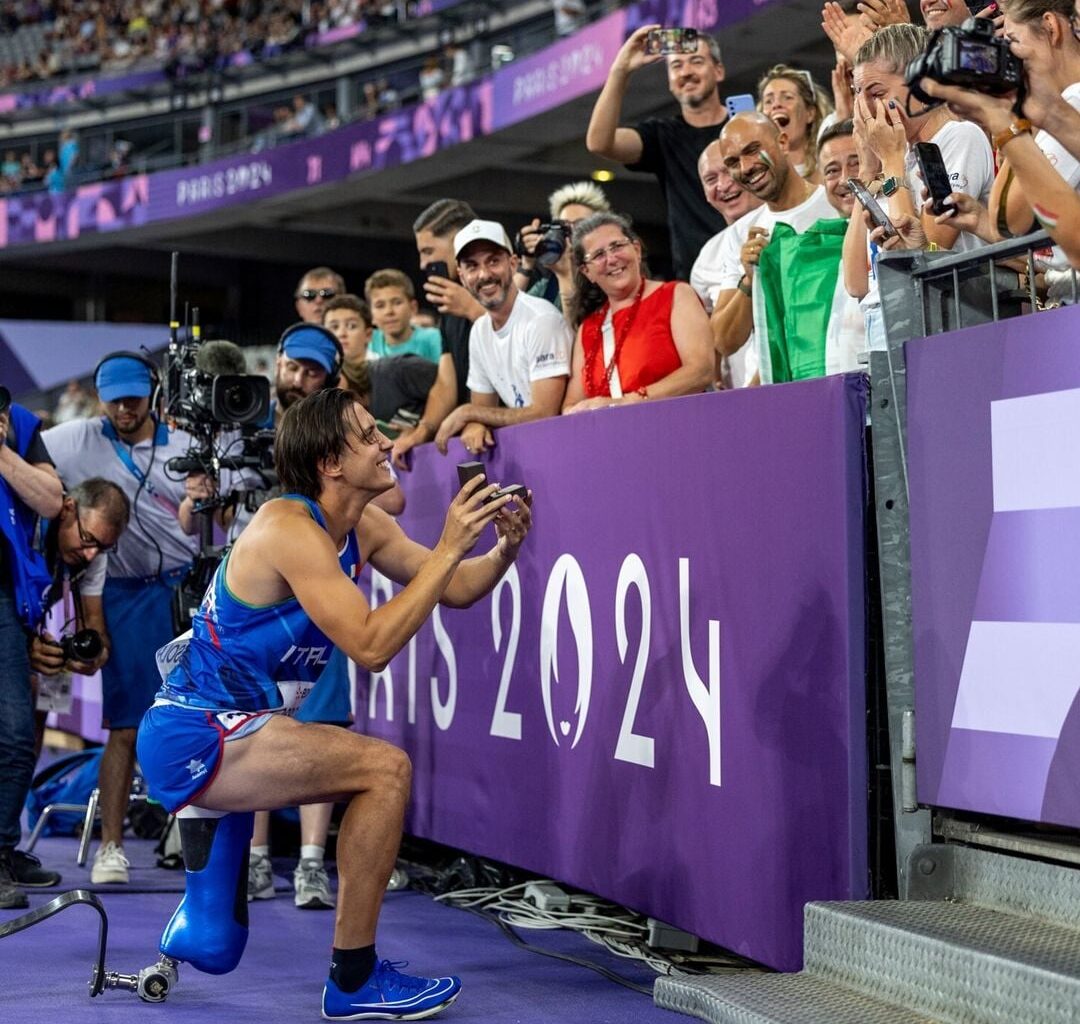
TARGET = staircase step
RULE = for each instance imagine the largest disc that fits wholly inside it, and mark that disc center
(949, 961)
(747, 998)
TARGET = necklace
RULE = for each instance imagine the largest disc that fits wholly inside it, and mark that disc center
(620, 337)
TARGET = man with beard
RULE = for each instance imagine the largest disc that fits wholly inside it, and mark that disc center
(667, 147)
(519, 351)
(130, 447)
(753, 150)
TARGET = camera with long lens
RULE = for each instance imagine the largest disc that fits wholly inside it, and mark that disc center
(85, 645)
(206, 387)
(551, 244)
(969, 56)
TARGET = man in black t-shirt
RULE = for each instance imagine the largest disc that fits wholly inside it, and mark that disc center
(434, 230)
(667, 147)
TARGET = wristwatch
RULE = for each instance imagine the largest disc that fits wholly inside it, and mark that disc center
(890, 186)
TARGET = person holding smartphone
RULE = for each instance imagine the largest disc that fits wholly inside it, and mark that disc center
(667, 147)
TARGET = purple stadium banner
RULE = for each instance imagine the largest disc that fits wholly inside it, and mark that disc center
(663, 701)
(993, 412)
(558, 74)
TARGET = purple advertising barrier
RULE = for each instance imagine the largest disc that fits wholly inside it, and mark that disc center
(994, 475)
(663, 701)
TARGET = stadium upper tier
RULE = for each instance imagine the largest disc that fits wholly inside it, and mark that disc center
(51, 40)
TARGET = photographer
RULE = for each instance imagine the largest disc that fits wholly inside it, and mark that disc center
(1039, 173)
(29, 487)
(129, 446)
(551, 274)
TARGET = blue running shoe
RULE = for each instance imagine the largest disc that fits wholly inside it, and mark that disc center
(390, 995)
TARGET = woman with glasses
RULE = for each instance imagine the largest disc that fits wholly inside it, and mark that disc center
(636, 338)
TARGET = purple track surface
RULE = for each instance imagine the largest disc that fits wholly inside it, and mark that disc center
(44, 970)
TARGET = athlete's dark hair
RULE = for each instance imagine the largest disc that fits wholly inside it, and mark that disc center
(317, 427)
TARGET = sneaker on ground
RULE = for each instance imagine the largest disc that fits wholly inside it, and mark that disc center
(29, 872)
(398, 880)
(11, 896)
(312, 886)
(260, 878)
(110, 865)
(390, 995)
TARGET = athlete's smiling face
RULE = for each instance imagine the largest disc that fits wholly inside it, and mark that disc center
(365, 463)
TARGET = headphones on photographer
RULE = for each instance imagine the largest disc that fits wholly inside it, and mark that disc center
(334, 375)
(155, 372)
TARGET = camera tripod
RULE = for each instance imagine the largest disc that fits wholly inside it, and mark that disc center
(152, 984)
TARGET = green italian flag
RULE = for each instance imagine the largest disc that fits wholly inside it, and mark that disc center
(796, 287)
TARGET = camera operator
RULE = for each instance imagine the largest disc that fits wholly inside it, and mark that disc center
(1039, 174)
(29, 487)
(130, 446)
(550, 274)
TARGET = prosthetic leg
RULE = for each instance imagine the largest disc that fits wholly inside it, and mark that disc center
(210, 927)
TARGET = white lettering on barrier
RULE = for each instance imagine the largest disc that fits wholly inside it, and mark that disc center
(506, 723)
(381, 591)
(706, 698)
(443, 713)
(632, 746)
(249, 177)
(558, 73)
(566, 575)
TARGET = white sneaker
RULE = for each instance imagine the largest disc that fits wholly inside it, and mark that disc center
(312, 886)
(110, 865)
(260, 878)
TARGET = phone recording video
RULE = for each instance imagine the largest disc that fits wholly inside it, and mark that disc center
(870, 204)
(666, 41)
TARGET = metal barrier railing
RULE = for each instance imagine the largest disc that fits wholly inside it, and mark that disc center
(922, 294)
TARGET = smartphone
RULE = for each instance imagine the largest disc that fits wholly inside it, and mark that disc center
(467, 470)
(740, 104)
(935, 176)
(437, 268)
(870, 204)
(671, 40)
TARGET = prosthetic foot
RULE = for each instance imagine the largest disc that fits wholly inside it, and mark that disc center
(210, 927)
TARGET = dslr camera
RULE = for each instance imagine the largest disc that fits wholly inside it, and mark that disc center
(85, 645)
(969, 56)
(552, 243)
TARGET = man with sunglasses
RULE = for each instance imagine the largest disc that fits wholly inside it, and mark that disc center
(316, 288)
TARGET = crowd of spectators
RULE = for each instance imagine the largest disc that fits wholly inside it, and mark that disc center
(185, 35)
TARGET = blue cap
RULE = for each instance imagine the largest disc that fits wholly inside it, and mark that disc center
(123, 377)
(309, 341)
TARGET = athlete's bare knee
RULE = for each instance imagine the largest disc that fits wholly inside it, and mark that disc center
(392, 770)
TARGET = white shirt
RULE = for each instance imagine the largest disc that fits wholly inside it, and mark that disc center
(1059, 276)
(533, 344)
(81, 450)
(970, 162)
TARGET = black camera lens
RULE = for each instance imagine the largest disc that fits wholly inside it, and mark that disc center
(240, 398)
(85, 645)
(552, 243)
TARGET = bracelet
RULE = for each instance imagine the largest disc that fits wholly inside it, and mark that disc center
(745, 288)
(1018, 126)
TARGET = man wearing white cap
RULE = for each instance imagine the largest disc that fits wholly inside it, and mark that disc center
(519, 351)
(130, 447)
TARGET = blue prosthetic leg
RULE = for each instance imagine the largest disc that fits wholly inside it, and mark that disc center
(210, 927)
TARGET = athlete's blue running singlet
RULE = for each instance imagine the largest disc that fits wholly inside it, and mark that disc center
(244, 657)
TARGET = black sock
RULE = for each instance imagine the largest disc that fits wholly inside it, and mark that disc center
(350, 968)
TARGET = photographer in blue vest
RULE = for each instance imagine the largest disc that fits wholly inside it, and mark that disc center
(29, 488)
(129, 446)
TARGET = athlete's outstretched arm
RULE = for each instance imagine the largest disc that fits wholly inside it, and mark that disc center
(301, 552)
(399, 558)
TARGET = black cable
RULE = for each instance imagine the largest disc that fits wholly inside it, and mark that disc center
(517, 940)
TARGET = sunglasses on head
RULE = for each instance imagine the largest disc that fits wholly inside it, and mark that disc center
(310, 294)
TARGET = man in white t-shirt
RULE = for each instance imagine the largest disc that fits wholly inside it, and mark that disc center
(753, 150)
(519, 351)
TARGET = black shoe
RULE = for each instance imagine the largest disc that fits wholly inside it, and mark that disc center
(29, 872)
(11, 896)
